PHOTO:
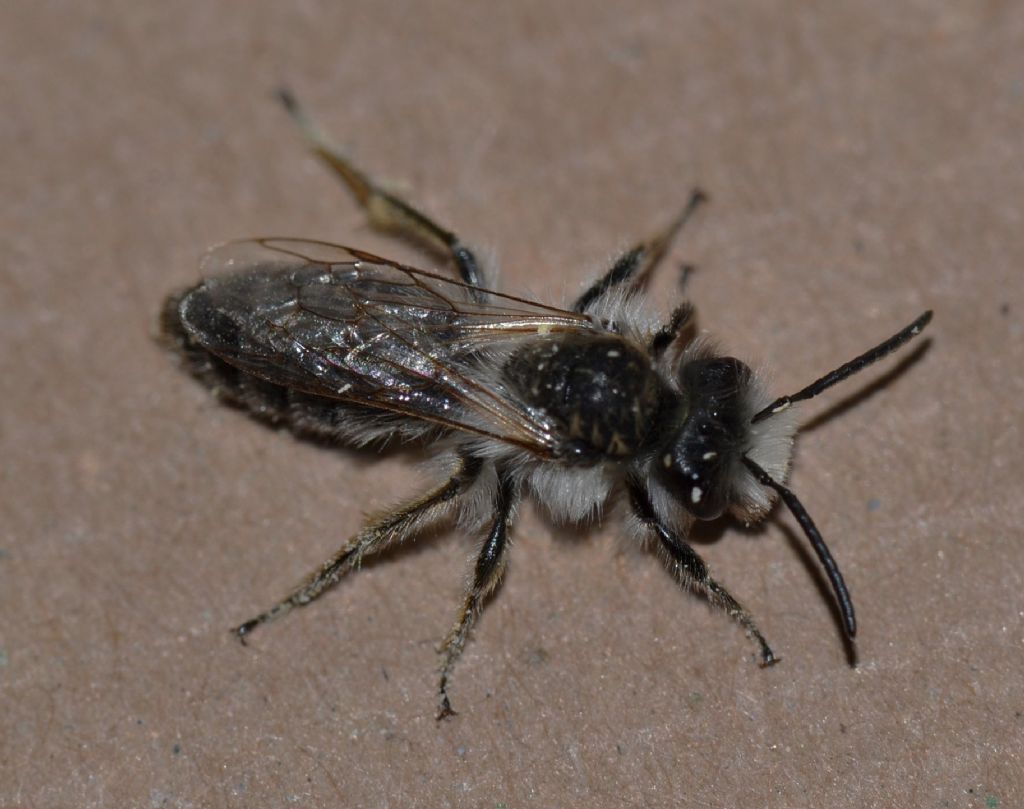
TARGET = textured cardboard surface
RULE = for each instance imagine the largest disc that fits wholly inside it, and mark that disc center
(865, 162)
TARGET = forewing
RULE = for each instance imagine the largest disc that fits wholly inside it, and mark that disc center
(339, 322)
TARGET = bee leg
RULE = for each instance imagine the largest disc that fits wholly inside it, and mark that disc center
(490, 564)
(689, 568)
(390, 529)
(681, 317)
(633, 266)
(386, 211)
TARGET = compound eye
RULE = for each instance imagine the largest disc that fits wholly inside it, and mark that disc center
(704, 454)
(717, 380)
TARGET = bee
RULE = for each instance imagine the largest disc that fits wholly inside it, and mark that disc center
(576, 407)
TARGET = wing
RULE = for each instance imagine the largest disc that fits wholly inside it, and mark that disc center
(338, 322)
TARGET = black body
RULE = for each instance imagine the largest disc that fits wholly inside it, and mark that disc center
(348, 346)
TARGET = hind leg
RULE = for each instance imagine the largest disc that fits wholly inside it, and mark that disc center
(384, 532)
(386, 211)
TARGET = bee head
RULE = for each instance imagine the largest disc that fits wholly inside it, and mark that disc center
(703, 463)
(731, 447)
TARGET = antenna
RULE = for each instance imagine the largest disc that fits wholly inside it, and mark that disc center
(817, 542)
(787, 496)
(847, 369)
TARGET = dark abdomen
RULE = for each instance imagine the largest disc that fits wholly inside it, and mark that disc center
(306, 415)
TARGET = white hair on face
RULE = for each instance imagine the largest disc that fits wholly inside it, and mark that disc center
(770, 441)
(770, 446)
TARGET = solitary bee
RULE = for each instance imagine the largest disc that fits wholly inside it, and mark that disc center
(573, 406)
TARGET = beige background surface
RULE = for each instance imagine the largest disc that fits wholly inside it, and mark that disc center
(865, 162)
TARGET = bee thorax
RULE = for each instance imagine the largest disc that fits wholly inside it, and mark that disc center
(600, 388)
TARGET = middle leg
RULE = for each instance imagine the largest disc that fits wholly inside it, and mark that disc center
(635, 264)
(490, 564)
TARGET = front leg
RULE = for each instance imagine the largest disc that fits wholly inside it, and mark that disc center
(490, 564)
(689, 568)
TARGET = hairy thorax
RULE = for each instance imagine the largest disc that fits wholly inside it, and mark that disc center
(600, 389)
